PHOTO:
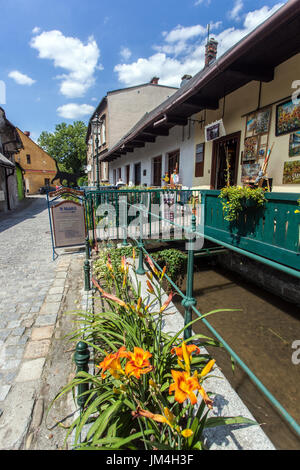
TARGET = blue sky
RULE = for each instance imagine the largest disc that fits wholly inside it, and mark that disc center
(59, 58)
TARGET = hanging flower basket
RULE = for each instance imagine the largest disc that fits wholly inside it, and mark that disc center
(236, 199)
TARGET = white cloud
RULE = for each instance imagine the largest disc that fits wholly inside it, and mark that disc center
(183, 51)
(125, 53)
(21, 78)
(254, 18)
(79, 60)
(74, 111)
(200, 2)
(181, 33)
(36, 30)
(234, 14)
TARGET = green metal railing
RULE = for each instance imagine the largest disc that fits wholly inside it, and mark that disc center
(271, 232)
(215, 227)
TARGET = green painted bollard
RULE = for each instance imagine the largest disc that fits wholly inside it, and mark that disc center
(81, 358)
(140, 270)
(189, 301)
(87, 284)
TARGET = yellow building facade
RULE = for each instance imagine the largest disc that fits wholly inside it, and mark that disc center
(37, 165)
(246, 144)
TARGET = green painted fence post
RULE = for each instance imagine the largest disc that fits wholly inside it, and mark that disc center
(81, 358)
(87, 284)
(188, 302)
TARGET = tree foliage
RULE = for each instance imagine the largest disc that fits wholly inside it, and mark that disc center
(66, 145)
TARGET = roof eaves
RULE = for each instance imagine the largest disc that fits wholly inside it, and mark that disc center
(283, 14)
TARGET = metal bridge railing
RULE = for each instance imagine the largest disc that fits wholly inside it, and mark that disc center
(188, 301)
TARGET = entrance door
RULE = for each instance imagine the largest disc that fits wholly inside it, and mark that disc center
(127, 174)
(157, 171)
(225, 161)
(137, 174)
(173, 162)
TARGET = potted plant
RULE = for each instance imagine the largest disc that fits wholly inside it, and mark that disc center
(236, 199)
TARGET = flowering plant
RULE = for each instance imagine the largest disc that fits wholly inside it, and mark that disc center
(148, 391)
(234, 200)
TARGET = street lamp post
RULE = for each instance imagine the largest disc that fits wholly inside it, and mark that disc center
(96, 123)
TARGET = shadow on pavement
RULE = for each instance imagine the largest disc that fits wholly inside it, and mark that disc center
(28, 208)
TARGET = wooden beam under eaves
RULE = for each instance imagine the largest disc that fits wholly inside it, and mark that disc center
(146, 137)
(158, 131)
(171, 120)
(137, 143)
(253, 72)
(202, 103)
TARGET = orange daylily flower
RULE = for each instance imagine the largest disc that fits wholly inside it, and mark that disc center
(163, 272)
(187, 433)
(138, 363)
(149, 275)
(167, 302)
(112, 297)
(207, 368)
(108, 263)
(112, 363)
(169, 418)
(139, 303)
(108, 296)
(184, 386)
(123, 263)
(205, 397)
(190, 349)
(150, 287)
(151, 264)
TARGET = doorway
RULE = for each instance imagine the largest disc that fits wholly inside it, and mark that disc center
(137, 174)
(127, 174)
(173, 162)
(157, 171)
(225, 161)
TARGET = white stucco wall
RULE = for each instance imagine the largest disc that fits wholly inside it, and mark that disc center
(179, 138)
(126, 107)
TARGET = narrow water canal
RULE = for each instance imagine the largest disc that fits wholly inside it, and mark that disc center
(261, 333)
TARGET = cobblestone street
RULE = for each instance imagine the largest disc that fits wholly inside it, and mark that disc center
(32, 290)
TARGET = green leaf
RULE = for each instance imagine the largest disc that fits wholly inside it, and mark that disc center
(226, 421)
(105, 418)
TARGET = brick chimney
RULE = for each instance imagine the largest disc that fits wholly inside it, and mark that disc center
(27, 133)
(211, 49)
(154, 80)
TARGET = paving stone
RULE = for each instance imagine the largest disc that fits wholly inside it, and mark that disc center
(14, 351)
(44, 320)
(44, 332)
(49, 308)
(4, 334)
(53, 298)
(61, 275)
(11, 364)
(59, 283)
(4, 389)
(31, 370)
(35, 349)
(14, 324)
(18, 331)
(56, 290)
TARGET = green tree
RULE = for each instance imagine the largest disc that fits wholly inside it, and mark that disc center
(67, 146)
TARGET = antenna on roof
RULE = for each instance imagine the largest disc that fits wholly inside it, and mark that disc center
(208, 31)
